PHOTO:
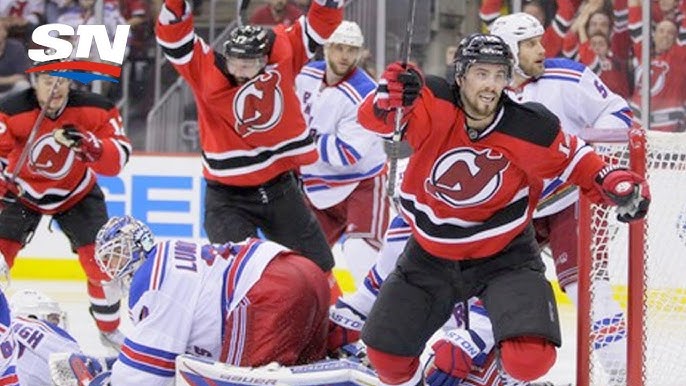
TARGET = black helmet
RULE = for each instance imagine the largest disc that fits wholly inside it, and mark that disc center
(482, 48)
(248, 41)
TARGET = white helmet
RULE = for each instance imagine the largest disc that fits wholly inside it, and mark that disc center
(121, 246)
(348, 33)
(35, 304)
(514, 28)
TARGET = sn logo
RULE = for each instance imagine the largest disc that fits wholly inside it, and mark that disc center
(59, 48)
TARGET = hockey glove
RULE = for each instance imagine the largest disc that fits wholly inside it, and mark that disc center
(399, 86)
(331, 3)
(86, 145)
(452, 358)
(397, 149)
(627, 190)
(83, 370)
(345, 324)
(177, 7)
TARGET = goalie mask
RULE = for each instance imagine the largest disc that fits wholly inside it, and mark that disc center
(36, 305)
(121, 246)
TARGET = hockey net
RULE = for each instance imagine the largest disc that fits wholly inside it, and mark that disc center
(645, 264)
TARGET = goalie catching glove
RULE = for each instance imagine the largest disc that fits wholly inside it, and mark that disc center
(86, 145)
(627, 190)
(69, 369)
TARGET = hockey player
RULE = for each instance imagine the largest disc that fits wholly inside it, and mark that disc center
(8, 346)
(40, 329)
(346, 186)
(252, 132)
(580, 100)
(245, 304)
(469, 192)
(81, 135)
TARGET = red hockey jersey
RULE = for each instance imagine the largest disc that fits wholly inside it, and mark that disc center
(469, 198)
(248, 134)
(53, 179)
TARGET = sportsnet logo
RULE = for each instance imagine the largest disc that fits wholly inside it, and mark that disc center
(84, 71)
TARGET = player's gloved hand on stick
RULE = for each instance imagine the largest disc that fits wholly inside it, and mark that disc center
(452, 357)
(627, 190)
(399, 86)
(345, 325)
(86, 145)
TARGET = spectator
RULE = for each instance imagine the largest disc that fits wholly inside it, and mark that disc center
(22, 16)
(555, 28)
(613, 72)
(303, 5)
(667, 80)
(13, 63)
(276, 12)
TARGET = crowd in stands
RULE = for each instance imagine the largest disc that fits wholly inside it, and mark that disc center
(605, 35)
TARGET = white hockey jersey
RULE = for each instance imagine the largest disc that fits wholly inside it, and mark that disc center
(36, 340)
(347, 152)
(580, 100)
(8, 347)
(178, 302)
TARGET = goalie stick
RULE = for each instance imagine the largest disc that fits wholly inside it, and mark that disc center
(397, 128)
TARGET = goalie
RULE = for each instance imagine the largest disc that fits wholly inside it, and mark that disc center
(244, 304)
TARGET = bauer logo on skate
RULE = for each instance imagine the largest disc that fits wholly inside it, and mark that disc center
(56, 41)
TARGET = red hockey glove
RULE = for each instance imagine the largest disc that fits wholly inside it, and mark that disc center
(452, 358)
(345, 324)
(177, 7)
(627, 190)
(331, 3)
(399, 87)
(86, 145)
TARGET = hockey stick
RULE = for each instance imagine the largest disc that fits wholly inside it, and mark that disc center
(397, 129)
(241, 9)
(24, 156)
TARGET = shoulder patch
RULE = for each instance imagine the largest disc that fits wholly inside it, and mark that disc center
(441, 89)
(531, 122)
(362, 82)
(19, 103)
(79, 98)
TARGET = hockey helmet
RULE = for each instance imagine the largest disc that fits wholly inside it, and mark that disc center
(121, 246)
(248, 42)
(515, 28)
(34, 304)
(348, 33)
(481, 48)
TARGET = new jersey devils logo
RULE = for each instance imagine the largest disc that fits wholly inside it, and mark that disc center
(50, 159)
(258, 105)
(658, 76)
(466, 177)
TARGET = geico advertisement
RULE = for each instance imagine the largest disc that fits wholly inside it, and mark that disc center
(165, 192)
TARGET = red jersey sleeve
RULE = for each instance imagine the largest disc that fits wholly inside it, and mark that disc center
(116, 147)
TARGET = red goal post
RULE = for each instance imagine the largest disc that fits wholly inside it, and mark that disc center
(644, 261)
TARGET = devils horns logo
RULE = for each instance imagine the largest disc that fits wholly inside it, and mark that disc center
(465, 177)
(258, 105)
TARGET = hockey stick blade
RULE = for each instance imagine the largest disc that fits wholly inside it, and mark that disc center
(397, 128)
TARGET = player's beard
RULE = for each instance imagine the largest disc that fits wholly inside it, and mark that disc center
(479, 109)
(340, 70)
